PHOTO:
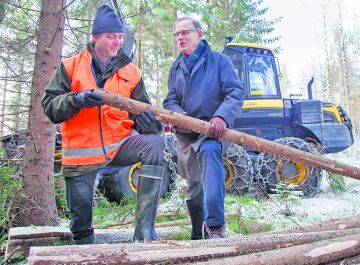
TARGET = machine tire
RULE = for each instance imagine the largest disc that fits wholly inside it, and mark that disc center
(238, 170)
(270, 170)
(133, 176)
(114, 183)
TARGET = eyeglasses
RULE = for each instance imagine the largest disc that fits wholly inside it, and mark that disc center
(184, 33)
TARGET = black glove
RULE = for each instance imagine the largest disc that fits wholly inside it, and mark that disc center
(147, 123)
(88, 99)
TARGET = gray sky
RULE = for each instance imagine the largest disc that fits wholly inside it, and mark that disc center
(301, 31)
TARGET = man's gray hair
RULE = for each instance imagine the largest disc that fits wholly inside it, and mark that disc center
(194, 21)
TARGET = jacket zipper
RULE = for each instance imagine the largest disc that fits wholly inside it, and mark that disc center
(107, 159)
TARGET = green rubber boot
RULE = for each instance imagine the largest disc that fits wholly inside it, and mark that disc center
(149, 184)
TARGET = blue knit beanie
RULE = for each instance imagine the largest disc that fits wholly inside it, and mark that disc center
(106, 21)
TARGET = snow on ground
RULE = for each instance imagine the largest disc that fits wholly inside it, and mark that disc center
(324, 206)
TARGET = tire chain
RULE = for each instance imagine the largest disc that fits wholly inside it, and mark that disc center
(269, 162)
(244, 170)
(173, 169)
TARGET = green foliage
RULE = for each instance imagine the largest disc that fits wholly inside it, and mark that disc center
(107, 213)
(3, 239)
(9, 185)
(337, 183)
(240, 200)
(153, 23)
(244, 20)
(2, 11)
(247, 226)
(184, 234)
(168, 218)
(286, 196)
(60, 196)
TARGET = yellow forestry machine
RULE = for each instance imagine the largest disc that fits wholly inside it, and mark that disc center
(309, 124)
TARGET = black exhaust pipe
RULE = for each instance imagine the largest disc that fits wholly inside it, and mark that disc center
(309, 88)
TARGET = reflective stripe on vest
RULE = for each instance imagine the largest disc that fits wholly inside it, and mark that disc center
(93, 151)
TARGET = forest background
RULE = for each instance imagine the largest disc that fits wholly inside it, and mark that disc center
(34, 33)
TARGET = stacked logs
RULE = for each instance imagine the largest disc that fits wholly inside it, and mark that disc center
(332, 242)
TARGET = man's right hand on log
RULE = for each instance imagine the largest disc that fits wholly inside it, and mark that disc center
(88, 99)
(182, 129)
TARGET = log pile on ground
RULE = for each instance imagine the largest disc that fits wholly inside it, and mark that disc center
(22, 238)
(326, 243)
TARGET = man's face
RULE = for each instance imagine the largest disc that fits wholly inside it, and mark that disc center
(107, 45)
(187, 36)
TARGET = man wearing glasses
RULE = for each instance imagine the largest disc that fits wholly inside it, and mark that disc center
(96, 135)
(203, 84)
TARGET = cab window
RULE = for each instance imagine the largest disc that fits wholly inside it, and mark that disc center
(262, 76)
(237, 60)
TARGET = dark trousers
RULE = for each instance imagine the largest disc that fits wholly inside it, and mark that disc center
(208, 193)
(146, 148)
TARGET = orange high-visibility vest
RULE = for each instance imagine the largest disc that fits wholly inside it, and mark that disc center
(81, 139)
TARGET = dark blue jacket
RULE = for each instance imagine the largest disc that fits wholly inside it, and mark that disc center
(212, 89)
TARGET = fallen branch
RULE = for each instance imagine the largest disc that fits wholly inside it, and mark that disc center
(333, 224)
(233, 136)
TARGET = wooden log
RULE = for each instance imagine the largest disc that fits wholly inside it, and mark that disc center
(333, 224)
(174, 252)
(322, 252)
(17, 249)
(348, 261)
(22, 238)
(233, 136)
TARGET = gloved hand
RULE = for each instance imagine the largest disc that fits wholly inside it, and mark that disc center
(88, 99)
(147, 123)
(218, 128)
(181, 129)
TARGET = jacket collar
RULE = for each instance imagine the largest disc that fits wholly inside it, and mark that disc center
(179, 62)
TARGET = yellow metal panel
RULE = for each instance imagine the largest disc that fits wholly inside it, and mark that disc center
(257, 93)
(250, 45)
(334, 110)
(263, 103)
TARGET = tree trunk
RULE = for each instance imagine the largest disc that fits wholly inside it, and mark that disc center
(344, 63)
(38, 206)
(139, 37)
(2, 114)
(19, 108)
(232, 136)
(328, 94)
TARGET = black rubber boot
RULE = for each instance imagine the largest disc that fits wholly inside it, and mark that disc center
(149, 184)
(86, 240)
(196, 210)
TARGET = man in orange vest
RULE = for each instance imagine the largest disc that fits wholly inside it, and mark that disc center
(95, 135)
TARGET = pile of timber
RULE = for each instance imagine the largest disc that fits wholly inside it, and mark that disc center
(331, 242)
(22, 238)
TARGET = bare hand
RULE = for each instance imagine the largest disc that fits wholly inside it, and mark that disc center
(218, 128)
